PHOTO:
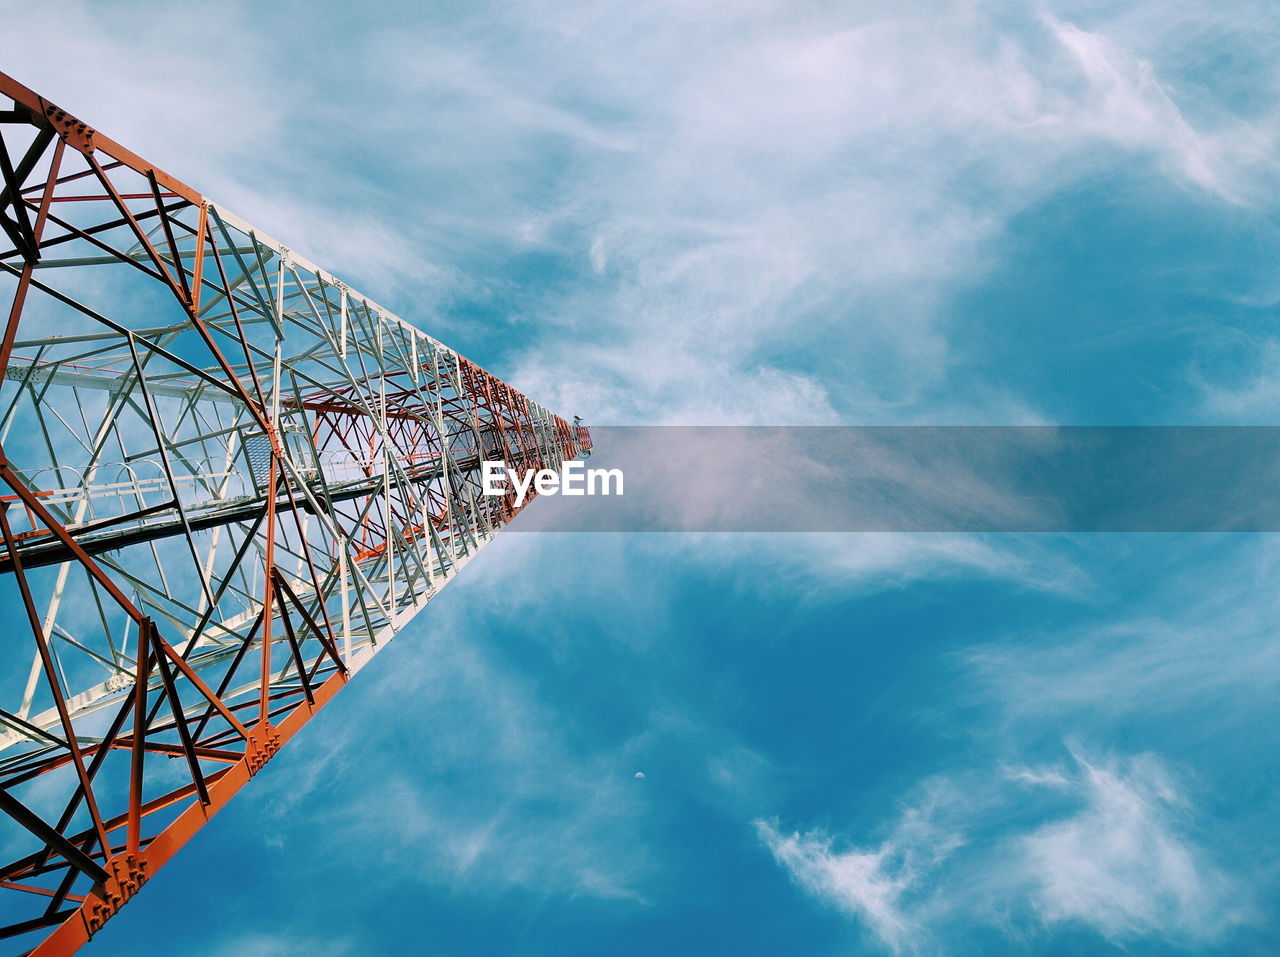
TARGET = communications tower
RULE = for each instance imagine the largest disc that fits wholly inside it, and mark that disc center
(226, 481)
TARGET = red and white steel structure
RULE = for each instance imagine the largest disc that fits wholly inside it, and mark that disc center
(226, 481)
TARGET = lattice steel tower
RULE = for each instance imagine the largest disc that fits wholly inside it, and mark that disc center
(228, 480)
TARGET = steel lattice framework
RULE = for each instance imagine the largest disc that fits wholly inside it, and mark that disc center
(228, 480)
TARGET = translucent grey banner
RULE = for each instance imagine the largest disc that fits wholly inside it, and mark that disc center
(926, 479)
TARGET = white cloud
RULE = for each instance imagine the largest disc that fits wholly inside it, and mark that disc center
(746, 185)
(461, 772)
(819, 567)
(1038, 777)
(1205, 639)
(858, 882)
(1004, 851)
(1252, 398)
(1122, 866)
(825, 188)
(223, 111)
(1127, 105)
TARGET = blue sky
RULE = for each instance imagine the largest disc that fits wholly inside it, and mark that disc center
(761, 213)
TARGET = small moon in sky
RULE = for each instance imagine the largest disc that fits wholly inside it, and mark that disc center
(639, 775)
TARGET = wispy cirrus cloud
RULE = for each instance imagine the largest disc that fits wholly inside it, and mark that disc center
(858, 882)
(835, 567)
(881, 886)
(910, 143)
(677, 202)
(1204, 641)
(1101, 844)
(477, 778)
(1123, 865)
(1251, 398)
(1125, 104)
(1146, 847)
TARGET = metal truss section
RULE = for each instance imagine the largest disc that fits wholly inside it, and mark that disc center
(228, 480)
